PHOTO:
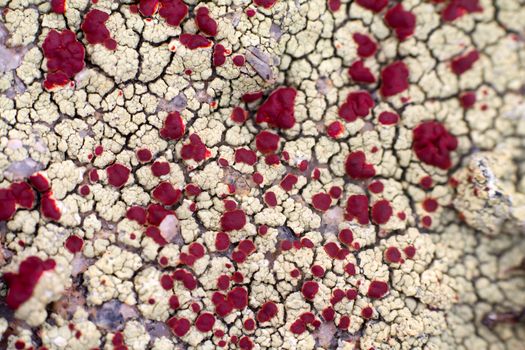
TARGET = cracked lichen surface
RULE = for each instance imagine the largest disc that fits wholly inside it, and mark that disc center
(266, 174)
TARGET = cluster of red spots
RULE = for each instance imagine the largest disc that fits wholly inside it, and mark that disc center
(357, 104)
(394, 79)
(339, 294)
(299, 326)
(357, 208)
(65, 57)
(458, 8)
(48, 205)
(403, 22)
(194, 41)
(267, 311)
(18, 194)
(118, 175)
(432, 144)
(118, 342)
(219, 55)
(204, 22)
(393, 255)
(360, 73)
(288, 182)
(377, 289)
(22, 283)
(244, 249)
(461, 64)
(321, 201)
(237, 298)
(381, 212)
(239, 115)
(166, 194)
(187, 279)
(467, 99)
(267, 142)
(195, 252)
(388, 118)
(74, 244)
(334, 251)
(357, 168)
(287, 245)
(179, 326)
(246, 156)
(173, 127)
(335, 129)
(58, 6)
(366, 47)
(195, 149)
(278, 109)
(265, 3)
(94, 28)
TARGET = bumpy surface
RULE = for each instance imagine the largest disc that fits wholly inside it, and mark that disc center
(266, 174)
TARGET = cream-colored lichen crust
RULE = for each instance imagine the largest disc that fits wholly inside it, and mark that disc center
(266, 174)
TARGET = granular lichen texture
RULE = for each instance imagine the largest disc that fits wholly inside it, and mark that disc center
(262, 174)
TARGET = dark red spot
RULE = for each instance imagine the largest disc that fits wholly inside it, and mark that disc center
(238, 297)
(49, 207)
(458, 8)
(317, 271)
(394, 79)
(410, 251)
(205, 23)
(335, 129)
(467, 99)
(346, 236)
(401, 21)
(173, 11)
(84, 190)
(58, 6)
(222, 241)
(376, 187)
(23, 194)
(223, 282)
(245, 343)
(265, 3)
(239, 115)
(197, 250)
(267, 142)
(430, 205)
(426, 182)
(250, 12)
(358, 104)
(357, 207)
(204, 323)
(366, 47)
(335, 192)
(93, 175)
(137, 214)
(166, 194)
(166, 282)
(195, 149)
(367, 312)
(160, 168)
(22, 283)
(373, 5)
(194, 41)
(267, 312)
(350, 269)
(334, 5)
(310, 289)
(148, 7)
(39, 182)
(246, 246)
(344, 322)
(65, 57)
(298, 327)
(157, 213)
(381, 212)
(173, 127)
(219, 55)
(288, 182)
(239, 60)
(118, 175)
(174, 302)
(246, 156)
(377, 289)
(360, 73)
(328, 314)
(233, 220)
(357, 168)
(426, 221)
(154, 233)
(321, 201)
(74, 244)
(278, 109)
(144, 155)
(180, 327)
(94, 28)
(388, 118)
(463, 63)
(392, 255)
(252, 96)
(432, 144)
